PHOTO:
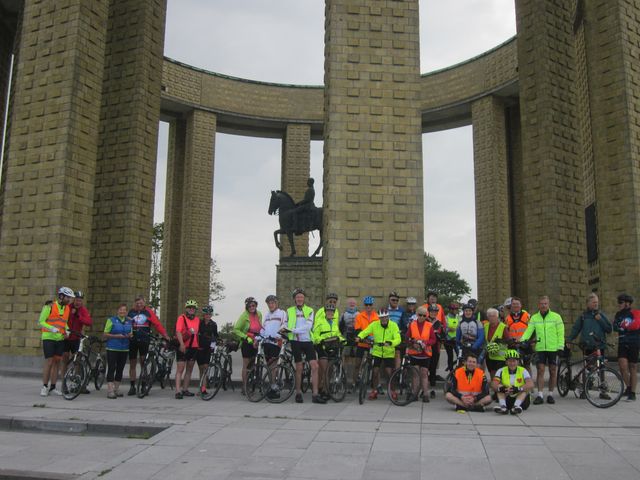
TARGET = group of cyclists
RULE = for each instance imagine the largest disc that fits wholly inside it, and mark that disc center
(489, 354)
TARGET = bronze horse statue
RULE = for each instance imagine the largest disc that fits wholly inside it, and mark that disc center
(282, 204)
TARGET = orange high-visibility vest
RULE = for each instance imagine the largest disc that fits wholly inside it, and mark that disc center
(468, 385)
(58, 319)
(414, 333)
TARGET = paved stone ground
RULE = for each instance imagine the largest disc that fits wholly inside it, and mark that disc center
(229, 437)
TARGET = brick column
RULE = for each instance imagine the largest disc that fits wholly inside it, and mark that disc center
(373, 207)
(188, 211)
(50, 163)
(296, 168)
(125, 177)
(7, 38)
(612, 39)
(552, 186)
(493, 239)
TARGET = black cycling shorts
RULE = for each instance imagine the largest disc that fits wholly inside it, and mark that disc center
(384, 362)
(321, 352)
(511, 401)
(189, 355)
(137, 348)
(53, 348)
(422, 362)
(203, 356)
(628, 351)
(494, 365)
(546, 358)
(298, 348)
(71, 346)
(271, 351)
(360, 351)
(248, 350)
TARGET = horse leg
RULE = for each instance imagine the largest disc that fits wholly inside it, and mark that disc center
(293, 247)
(319, 244)
(275, 237)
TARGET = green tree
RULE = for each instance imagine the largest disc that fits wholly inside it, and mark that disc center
(216, 287)
(226, 331)
(157, 240)
(449, 285)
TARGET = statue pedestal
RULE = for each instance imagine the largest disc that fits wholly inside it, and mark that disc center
(300, 272)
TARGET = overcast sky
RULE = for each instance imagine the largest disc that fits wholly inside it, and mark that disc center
(282, 41)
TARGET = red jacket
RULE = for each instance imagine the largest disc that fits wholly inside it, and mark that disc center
(78, 319)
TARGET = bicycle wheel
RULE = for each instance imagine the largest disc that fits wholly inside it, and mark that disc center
(281, 386)
(604, 387)
(254, 388)
(336, 381)
(211, 381)
(363, 382)
(167, 373)
(306, 377)
(402, 384)
(100, 373)
(146, 378)
(564, 378)
(75, 379)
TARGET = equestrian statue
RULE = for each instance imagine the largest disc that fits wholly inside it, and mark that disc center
(296, 218)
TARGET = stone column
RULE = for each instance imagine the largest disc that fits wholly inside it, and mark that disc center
(493, 239)
(50, 162)
(373, 204)
(188, 213)
(552, 186)
(612, 38)
(125, 177)
(296, 168)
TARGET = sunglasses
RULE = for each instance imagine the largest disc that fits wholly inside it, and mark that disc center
(422, 315)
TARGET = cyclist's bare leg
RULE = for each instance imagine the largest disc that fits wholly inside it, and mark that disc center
(375, 376)
(187, 376)
(180, 366)
(553, 377)
(46, 370)
(66, 358)
(55, 364)
(322, 373)
(633, 373)
(424, 381)
(397, 360)
(540, 377)
(314, 376)
(132, 369)
(356, 368)
(245, 366)
(299, 377)
(623, 363)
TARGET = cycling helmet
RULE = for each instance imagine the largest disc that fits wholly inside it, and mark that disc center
(473, 301)
(433, 308)
(79, 294)
(625, 297)
(329, 306)
(297, 291)
(368, 300)
(208, 309)
(332, 295)
(411, 300)
(66, 291)
(511, 354)
(271, 298)
(507, 302)
(383, 314)
(249, 300)
(493, 348)
(468, 306)
(191, 304)
(394, 294)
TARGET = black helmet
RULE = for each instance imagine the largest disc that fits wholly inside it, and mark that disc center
(249, 300)
(394, 294)
(433, 308)
(207, 309)
(625, 297)
(297, 291)
(271, 298)
(332, 295)
(79, 294)
(468, 306)
(473, 301)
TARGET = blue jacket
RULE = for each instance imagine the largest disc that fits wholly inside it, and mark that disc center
(115, 326)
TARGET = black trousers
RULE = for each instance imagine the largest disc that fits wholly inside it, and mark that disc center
(115, 364)
(433, 365)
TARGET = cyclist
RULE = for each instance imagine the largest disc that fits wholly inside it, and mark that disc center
(515, 313)
(299, 325)
(187, 333)
(496, 337)
(409, 315)
(395, 312)
(452, 321)
(143, 319)
(363, 320)
(512, 385)
(627, 324)
(469, 389)
(549, 330)
(246, 328)
(517, 321)
(592, 326)
(432, 299)
(325, 326)
(470, 331)
(53, 322)
(386, 335)
(421, 336)
(440, 332)
(207, 336)
(118, 331)
(272, 323)
(79, 318)
(347, 329)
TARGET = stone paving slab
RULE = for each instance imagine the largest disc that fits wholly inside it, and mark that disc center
(231, 438)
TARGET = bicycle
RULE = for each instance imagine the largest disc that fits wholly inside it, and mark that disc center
(461, 354)
(157, 365)
(86, 364)
(401, 389)
(218, 373)
(335, 379)
(603, 386)
(364, 378)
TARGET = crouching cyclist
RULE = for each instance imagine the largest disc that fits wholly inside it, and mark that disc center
(512, 385)
(469, 390)
(386, 336)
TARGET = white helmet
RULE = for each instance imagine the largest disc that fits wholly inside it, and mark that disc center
(66, 291)
(411, 300)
